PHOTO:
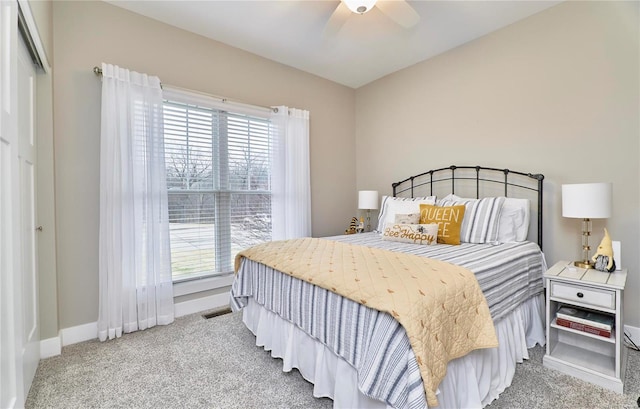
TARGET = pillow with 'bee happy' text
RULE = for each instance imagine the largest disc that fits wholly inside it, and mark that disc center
(411, 233)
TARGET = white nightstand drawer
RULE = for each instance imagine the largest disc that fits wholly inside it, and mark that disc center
(585, 295)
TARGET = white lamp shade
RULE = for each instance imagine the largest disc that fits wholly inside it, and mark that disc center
(368, 199)
(587, 200)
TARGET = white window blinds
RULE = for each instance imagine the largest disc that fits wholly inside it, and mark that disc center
(218, 180)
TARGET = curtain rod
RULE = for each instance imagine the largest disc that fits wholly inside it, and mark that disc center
(98, 71)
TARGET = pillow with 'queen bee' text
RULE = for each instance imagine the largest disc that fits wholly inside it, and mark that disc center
(448, 218)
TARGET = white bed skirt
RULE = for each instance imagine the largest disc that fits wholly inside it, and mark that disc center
(472, 381)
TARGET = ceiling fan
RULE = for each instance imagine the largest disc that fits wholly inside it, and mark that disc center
(398, 10)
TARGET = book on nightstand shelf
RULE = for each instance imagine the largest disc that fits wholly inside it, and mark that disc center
(582, 327)
(592, 319)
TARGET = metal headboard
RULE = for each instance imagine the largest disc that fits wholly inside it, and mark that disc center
(482, 180)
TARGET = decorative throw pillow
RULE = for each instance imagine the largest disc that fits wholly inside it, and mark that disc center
(391, 206)
(449, 220)
(412, 218)
(480, 224)
(411, 233)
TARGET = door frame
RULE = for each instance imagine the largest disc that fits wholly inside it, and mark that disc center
(13, 390)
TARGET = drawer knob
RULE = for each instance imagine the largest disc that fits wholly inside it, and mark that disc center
(580, 295)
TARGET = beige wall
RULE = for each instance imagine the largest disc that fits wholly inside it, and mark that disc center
(42, 11)
(88, 33)
(557, 93)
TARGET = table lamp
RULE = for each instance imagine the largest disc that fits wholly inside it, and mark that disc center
(368, 200)
(586, 201)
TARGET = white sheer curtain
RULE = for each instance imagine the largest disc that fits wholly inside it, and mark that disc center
(290, 180)
(135, 287)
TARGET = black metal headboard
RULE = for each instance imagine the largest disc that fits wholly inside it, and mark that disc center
(478, 181)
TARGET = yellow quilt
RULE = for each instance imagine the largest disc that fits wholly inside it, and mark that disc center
(439, 304)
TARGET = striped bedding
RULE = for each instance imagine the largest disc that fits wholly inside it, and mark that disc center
(373, 342)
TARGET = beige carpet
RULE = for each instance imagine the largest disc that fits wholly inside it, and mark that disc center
(199, 363)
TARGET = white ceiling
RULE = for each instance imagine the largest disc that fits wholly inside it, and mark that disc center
(367, 47)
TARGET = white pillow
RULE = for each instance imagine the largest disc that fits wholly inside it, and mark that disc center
(513, 224)
(451, 196)
(514, 220)
(411, 233)
(391, 206)
(411, 218)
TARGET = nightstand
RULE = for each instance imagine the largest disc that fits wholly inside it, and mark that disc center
(592, 358)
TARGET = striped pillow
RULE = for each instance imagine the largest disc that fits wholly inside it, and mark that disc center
(481, 216)
(391, 206)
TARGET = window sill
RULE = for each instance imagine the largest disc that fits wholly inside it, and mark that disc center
(202, 284)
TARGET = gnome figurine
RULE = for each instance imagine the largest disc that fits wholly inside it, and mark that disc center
(603, 258)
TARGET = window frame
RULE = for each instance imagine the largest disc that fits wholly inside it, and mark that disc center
(209, 281)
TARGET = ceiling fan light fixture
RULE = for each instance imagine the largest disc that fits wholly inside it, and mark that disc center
(359, 6)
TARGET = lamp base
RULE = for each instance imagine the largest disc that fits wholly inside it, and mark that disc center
(583, 264)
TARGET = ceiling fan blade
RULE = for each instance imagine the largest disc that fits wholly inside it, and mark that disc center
(337, 19)
(399, 11)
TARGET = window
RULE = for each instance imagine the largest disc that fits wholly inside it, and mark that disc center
(218, 180)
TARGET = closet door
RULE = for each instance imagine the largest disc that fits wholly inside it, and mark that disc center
(11, 369)
(30, 338)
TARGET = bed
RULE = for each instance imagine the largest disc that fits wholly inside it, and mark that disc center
(364, 356)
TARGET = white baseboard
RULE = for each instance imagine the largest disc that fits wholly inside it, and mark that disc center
(201, 304)
(79, 333)
(50, 347)
(634, 333)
